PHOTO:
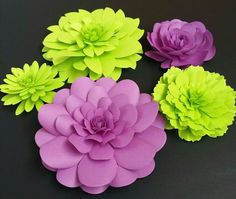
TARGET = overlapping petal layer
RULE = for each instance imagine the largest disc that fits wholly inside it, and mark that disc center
(196, 102)
(100, 134)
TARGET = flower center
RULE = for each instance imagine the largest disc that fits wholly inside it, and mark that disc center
(98, 124)
(92, 32)
(27, 82)
(195, 98)
(178, 39)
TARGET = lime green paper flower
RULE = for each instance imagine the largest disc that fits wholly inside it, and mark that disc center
(98, 43)
(30, 86)
(196, 102)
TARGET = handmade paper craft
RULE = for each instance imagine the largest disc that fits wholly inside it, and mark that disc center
(30, 86)
(100, 134)
(178, 43)
(97, 44)
(196, 102)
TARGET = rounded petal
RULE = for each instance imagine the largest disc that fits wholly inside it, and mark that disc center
(81, 87)
(61, 96)
(141, 152)
(95, 94)
(94, 190)
(93, 173)
(59, 153)
(155, 136)
(127, 87)
(159, 122)
(80, 143)
(106, 83)
(104, 103)
(101, 152)
(128, 114)
(42, 137)
(120, 100)
(146, 115)
(145, 171)
(48, 167)
(72, 103)
(68, 177)
(64, 125)
(123, 177)
(48, 114)
(123, 139)
(144, 98)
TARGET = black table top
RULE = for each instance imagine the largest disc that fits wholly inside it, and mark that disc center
(200, 170)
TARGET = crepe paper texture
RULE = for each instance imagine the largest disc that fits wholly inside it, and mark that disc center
(30, 86)
(98, 43)
(100, 134)
(196, 102)
(179, 43)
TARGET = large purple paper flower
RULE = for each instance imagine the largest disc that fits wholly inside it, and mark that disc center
(100, 134)
(179, 43)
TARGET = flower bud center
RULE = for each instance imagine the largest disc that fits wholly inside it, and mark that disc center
(92, 32)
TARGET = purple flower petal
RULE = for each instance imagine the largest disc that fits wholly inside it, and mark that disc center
(59, 153)
(123, 139)
(159, 122)
(146, 115)
(178, 43)
(80, 130)
(129, 114)
(120, 100)
(65, 125)
(106, 83)
(95, 137)
(80, 143)
(86, 107)
(72, 103)
(68, 177)
(95, 94)
(61, 96)
(127, 87)
(81, 87)
(104, 103)
(101, 152)
(145, 171)
(154, 136)
(94, 173)
(119, 127)
(48, 114)
(42, 137)
(123, 177)
(94, 190)
(144, 98)
(141, 152)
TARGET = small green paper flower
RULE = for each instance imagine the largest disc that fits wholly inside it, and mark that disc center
(97, 44)
(30, 86)
(196, 102)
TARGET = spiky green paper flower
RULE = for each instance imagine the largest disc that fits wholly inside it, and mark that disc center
(30, 86)
(97, 44)
(196, 102)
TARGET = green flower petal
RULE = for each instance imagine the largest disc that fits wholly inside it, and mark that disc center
(28, 87)
(196, 102)
(104, 39)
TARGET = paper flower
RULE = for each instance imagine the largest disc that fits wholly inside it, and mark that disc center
(30, 86)
(196, 102)
(99, 43)
(100, 134)
(178, 43)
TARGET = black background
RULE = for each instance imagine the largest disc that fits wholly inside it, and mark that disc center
(201, 170)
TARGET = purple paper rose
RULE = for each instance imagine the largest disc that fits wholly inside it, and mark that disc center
(179, 43)
(100, 134)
